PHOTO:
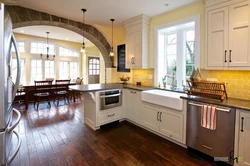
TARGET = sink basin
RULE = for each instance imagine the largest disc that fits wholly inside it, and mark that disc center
(163, 98)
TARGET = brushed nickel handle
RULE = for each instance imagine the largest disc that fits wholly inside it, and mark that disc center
(207, 147)
(111, 115)
(133, 92)
(160, 116)
(225, 56)
(242, 124)
(230, 55)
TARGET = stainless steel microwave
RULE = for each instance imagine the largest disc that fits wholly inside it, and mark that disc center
(110, 99)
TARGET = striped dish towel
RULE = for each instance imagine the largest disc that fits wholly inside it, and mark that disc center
(208, 117)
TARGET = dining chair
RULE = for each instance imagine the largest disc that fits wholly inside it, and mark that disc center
(42, 92)
(76, 94)
(61, 90)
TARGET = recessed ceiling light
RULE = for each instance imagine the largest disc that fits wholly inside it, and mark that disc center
(22, 31)
(166, 4)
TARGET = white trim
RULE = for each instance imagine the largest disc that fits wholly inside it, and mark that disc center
(196, 19)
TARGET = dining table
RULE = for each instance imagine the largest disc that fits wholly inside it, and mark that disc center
(29, 90)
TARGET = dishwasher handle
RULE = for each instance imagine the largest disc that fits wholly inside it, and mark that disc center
(200, 105)
(242, 124)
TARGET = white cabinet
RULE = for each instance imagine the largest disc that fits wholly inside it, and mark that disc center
(228, 35)
(171, 124)
(149, 116)
(132, 104)
(165, 121)
(137, 42)
(242, 143)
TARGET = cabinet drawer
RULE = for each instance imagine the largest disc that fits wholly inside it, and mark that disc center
(109, 116)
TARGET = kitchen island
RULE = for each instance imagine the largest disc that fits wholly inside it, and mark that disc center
(104, 103)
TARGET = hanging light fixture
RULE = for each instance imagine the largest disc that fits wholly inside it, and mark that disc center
(83, 21)
(47, 57)
(112, 49)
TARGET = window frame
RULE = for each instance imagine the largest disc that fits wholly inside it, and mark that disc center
(158, 34)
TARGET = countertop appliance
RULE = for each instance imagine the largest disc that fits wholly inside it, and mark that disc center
(218, 143)
(6, 91)
(110, 99)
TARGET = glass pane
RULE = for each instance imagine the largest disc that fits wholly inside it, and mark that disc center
(171, 49)
(97, 72)
(90, 72)
(171, 39)
(90, 67)
(97, 62)
(94, 72)
(189, 47)
(97, 67)
(171, 61)
(190, 35)
(33, 45)
(94, 66)
(91, 61)
(40, 45)
(94, 60)
(190, 58)
(189, 69)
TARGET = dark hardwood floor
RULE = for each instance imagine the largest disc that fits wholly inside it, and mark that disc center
(59, 136)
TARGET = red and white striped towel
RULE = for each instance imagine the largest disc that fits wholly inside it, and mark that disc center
(208, 117)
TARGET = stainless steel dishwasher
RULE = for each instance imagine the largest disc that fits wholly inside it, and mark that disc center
(218, 143)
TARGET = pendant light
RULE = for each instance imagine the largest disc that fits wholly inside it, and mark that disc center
(83, 21)
(47, 57)
(112, 49)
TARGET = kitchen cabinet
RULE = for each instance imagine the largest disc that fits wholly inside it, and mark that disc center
(132, 104)
(171, 124)
(242, 137)
(165, 121)
(228, 35)
(137, 42)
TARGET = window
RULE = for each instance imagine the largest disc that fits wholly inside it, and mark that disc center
(38, 48)
(14, 70)
(73, 70)
(49, 69)
(94, 66)
(36, 70)
(64, 70)
(67, 52)
(177, 52)
(20, 47)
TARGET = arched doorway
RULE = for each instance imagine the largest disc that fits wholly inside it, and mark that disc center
(22, 17)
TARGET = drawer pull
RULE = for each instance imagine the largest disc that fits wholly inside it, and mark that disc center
(204, 146)
(133, 92)
(242, 124)
(111, 115)
(225, 56)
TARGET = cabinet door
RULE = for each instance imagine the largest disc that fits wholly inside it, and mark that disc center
(149, 117)
(244, 137)
(132, 105)
(239, 34)
(171, 124)
(138, 50)
(130, 50)
(217, 37)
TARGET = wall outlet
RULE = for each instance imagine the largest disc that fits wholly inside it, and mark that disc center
(150, 77)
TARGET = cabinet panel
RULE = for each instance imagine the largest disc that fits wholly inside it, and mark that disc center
(149, 117)
(171, 125)
(217, 37)
(132, 105)
(244, 137)
(239, 34)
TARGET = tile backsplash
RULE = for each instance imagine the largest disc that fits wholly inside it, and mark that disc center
(142, 75)
(237, 82)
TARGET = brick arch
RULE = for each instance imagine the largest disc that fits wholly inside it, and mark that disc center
(22, 17)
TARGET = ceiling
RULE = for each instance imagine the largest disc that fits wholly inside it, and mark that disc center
(55, 33)
(101, 11)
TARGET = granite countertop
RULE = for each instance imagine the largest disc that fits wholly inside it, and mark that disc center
(99, 87)
(230, 102)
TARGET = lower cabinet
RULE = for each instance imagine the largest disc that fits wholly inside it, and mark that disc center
(242, 139)
(167, 122)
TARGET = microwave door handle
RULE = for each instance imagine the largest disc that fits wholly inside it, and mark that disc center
(18, 67)
(107, 96)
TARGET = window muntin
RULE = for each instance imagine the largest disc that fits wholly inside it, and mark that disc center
(41, 48)
(20, 47)
(68, 52)
(49, 69)
(36, 70)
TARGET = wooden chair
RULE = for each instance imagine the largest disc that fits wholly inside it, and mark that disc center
(61, 90)
(20, 94)
(42, 92)
(76, 94)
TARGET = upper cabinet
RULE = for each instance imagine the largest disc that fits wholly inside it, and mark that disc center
(137, 42)
(228, 35)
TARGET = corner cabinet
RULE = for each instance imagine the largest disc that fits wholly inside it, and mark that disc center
(242, 137)
(137, 42)
(228, 35)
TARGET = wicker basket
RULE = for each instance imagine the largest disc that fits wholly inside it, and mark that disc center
(214, 90)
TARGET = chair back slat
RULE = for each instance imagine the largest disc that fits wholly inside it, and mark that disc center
(62, 84)
(42, 86)
(79, 81)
